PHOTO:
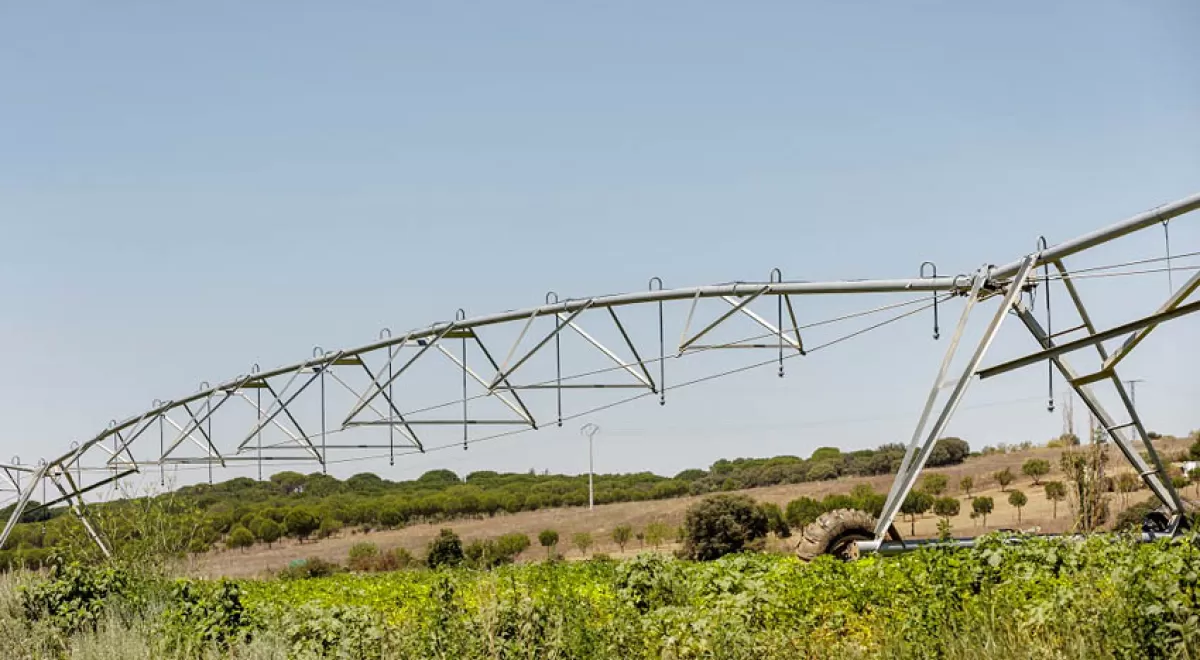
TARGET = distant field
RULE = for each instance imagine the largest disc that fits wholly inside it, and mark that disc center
(260, 560)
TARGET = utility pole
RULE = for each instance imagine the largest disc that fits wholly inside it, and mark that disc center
(590, 431)
(1132, 383)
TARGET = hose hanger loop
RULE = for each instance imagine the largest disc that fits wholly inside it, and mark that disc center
(776, 277)
(1042, 246)
(662, 358)
(553, 299)
(1167, 239)
(932, 267)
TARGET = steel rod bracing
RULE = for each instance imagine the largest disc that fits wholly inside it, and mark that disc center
(301, 391)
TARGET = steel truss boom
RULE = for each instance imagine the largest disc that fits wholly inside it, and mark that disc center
(375, 383)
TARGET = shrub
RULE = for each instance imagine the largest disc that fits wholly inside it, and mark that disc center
(363, 557)
(444, 550)
(650, 581)
(776, 524)
(802, 511)
(313, 567)
(722, 524)
(949, 451)
(334, 631)
(395, 559)
(1130, 520)
(74, 596)
(203, 614)
(480, 553)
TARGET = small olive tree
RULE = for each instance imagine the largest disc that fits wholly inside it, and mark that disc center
(1004, 478)
(1036, 468)
(621, 535)
(1019, 500)
(582, 541)
(1056, 491)
(548, 538)
(934, 484)
(916, 503)
(982, 506)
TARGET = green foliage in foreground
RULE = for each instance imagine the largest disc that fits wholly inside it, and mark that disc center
(1100, 598)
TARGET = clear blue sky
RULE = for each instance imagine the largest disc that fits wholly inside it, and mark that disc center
(187, 189)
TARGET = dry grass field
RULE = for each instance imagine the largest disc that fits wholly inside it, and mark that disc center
(1037, 515)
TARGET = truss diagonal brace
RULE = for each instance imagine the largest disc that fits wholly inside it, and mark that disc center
(194, 424)
(76, 503)
(1172, 303)
(519, 409)
(380, 387)
(18, 509)
(1161, 487)
(794, 343)
(616, 359)
(684, 342)
(1053, 351)
(505, 371)
(318, 367)
(906, 480)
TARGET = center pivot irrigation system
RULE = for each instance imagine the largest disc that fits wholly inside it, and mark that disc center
(298, 413)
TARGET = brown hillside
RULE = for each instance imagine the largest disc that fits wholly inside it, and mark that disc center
(260, 560)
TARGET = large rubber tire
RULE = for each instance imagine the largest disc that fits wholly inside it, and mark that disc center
(834, 532)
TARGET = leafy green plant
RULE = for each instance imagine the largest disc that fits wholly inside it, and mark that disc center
(205, 614)
(74, 596)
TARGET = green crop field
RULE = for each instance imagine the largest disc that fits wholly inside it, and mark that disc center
(1100, 598)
